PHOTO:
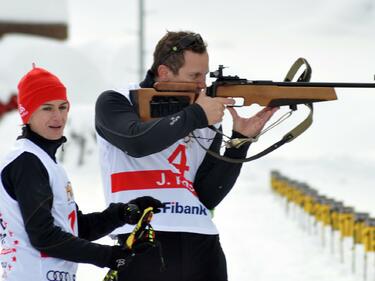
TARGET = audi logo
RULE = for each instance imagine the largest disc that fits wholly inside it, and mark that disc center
(54, 275)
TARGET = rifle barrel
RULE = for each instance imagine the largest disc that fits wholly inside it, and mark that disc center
(312, 84)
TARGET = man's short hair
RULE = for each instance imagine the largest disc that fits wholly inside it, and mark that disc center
(170, 49)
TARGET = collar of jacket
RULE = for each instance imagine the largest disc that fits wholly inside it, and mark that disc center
(49, 146)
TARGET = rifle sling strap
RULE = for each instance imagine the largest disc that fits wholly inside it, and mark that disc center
(306, 74)
(298, 130)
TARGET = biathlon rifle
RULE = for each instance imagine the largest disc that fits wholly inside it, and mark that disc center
(166, 98)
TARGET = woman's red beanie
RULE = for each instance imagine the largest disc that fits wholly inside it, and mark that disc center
(37, 87)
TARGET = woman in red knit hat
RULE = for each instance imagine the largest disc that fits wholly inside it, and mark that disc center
(43, 233)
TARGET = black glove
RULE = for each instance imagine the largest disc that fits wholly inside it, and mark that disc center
(131, 213)
(122, 213)
(120, 258)
(140, 241)
(147, 201)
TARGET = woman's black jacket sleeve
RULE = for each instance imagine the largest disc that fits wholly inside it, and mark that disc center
(26, 180)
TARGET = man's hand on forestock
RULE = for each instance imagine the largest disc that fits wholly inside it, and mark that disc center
(213, 107)
(251, 127)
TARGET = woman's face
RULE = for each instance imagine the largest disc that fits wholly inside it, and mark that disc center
(49, 119)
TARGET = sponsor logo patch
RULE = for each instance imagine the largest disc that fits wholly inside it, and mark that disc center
(177, 208)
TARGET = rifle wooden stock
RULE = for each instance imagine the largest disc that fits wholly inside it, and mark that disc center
(176, 87)
(264, 95)
(144, 97)
(275, 95)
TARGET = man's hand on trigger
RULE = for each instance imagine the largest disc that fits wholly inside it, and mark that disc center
(213, 107)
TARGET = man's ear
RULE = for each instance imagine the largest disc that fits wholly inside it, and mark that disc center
(164, 72)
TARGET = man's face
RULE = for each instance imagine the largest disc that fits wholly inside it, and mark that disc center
(194, 69)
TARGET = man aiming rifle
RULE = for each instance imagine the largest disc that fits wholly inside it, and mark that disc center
(162, 158)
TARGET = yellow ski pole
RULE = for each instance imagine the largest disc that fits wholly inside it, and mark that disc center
(142, 222)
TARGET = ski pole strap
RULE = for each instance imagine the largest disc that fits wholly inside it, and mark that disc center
(140, 226)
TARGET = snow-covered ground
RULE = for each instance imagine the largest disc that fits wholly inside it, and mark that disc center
(257, 40)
